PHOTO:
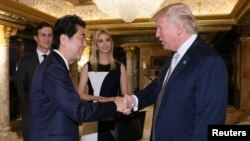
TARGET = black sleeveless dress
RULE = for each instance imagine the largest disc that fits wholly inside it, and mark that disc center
(104, 82)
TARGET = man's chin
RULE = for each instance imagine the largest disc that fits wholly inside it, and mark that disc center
(165, 47)
(78, 58)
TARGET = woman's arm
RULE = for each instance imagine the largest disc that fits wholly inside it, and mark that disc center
(83, 85)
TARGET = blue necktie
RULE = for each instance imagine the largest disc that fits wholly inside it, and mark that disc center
(159, 99)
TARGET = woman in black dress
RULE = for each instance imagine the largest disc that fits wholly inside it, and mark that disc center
(104, 77)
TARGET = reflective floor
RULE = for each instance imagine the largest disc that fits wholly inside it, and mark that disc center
(16, 125)
(147, 124)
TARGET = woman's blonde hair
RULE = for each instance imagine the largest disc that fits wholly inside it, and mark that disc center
(95, 53)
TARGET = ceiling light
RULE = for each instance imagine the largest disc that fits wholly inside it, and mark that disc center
(128, 10)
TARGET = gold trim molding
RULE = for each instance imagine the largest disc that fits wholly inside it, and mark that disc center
(212, 15)
(91, 12)
(25, 11)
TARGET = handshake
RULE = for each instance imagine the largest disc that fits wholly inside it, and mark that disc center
(124, 104)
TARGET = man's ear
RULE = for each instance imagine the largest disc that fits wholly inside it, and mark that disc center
(63, 39)
(180, 28)
(35, 38)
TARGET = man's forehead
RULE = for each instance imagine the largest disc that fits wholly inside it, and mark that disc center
(45, 29)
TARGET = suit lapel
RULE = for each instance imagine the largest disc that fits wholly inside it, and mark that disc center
(178, 69)
(185, 60)
(36, 58)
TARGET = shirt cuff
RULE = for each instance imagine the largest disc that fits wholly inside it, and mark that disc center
(136, 103)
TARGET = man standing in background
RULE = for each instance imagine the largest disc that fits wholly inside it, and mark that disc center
(27, 66)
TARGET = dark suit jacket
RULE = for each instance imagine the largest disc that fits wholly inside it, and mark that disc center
(24, 76)
(26, 69)
(195, 95)
(56, 108)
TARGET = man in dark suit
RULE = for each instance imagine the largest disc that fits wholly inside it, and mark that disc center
(56, 108)
(27, 66)
(193, 94)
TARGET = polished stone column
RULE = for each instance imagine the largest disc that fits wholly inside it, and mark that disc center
(136, 70)
(5, 133)
(243, 75)
(130, 68)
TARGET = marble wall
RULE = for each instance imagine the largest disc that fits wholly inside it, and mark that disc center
(147, 72)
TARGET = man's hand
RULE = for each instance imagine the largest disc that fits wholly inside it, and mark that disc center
(130, 100)
(122, 105)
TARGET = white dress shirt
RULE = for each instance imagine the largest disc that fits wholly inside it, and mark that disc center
(40, 55)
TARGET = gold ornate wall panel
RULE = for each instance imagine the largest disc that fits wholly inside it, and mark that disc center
(26, 12)
(212, 16)
(91, 12)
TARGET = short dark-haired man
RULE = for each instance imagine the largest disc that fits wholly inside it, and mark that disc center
(27, 66)
(56, 107)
